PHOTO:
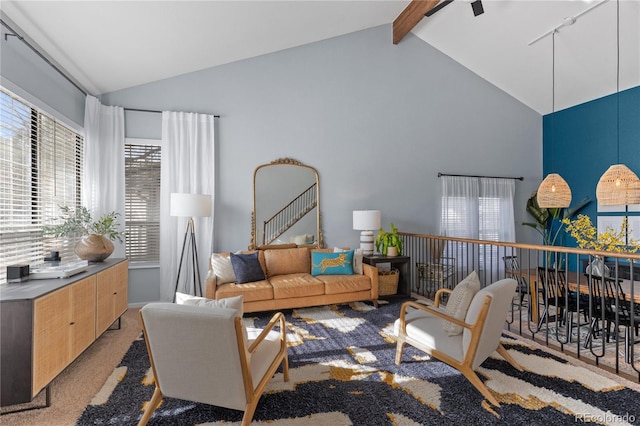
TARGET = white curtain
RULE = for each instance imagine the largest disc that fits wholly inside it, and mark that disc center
(480, 209)
(497, 213)
(103, 183)
(187, 167)
(459, 213)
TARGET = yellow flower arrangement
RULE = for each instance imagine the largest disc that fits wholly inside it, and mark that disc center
(610, 240)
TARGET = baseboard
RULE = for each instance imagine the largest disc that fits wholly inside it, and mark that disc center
(139, 304)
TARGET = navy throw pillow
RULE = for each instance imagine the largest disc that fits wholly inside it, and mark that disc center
(247, 268)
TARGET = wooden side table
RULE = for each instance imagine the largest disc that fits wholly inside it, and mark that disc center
(399, 262)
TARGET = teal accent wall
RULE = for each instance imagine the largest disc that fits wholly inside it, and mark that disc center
(581, 142)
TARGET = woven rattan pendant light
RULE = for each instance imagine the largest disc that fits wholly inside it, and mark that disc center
(554, 191)
(618, 186)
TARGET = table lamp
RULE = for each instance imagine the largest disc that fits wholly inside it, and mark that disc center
(366, 221)
(190, 205)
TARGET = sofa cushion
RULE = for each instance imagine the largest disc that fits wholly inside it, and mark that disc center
(326, 250)
(296, 285)
(287, 261)
(323, 263)
(247, 268)
(425, 328)
(222, 268)
(337, 284)
(278, 246)
(251, 292)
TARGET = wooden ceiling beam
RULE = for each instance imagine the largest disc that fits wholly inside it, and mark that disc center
(410, 17)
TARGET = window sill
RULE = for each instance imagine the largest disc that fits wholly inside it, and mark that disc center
(144, 265)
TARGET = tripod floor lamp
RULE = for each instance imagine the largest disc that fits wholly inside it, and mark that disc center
(190, 205)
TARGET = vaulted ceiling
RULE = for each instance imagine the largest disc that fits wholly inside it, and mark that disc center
(112, 45)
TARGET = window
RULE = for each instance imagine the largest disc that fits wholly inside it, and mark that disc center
(478, 208)
(142, 202)
(41, 163)
(490, 219)
(481, 209)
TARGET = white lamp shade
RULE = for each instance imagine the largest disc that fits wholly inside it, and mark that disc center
(190, 205)
(366, 220)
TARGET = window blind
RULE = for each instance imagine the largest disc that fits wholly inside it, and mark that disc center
(142, 202)
(41, 163)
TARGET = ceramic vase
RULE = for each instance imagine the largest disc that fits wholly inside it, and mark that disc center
(94, 248)
(597, 268)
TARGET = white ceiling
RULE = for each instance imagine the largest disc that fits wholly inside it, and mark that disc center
(112, 45)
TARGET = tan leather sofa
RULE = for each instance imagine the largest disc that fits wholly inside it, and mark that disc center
(289, 283)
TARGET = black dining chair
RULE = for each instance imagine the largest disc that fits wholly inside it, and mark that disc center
(611, 305)
(512, 270)
(555, 292)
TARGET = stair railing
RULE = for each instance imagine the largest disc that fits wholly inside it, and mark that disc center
(289, 215)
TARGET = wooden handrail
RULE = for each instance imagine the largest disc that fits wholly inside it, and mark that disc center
(487, 258)
(572, 250)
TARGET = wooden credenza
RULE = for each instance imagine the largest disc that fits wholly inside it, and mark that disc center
(47, 324)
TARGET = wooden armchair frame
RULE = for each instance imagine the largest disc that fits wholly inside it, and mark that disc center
(466, 366)
(252, 394)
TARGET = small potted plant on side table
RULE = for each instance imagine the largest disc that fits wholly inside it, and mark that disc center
(389, 243)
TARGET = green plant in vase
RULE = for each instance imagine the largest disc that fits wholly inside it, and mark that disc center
(389, 240)
(548, 222)
(95, 245)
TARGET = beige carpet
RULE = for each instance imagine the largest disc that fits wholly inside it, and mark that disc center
(74, 388)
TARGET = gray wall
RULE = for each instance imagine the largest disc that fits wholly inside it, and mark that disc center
(36, 79)
(377, 120)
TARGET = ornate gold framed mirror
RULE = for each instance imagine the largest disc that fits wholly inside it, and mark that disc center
(286, 204)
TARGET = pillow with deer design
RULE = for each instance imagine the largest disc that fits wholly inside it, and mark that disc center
(328, 263)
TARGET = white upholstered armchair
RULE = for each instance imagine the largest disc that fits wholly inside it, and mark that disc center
(482, 327)
(206, 355)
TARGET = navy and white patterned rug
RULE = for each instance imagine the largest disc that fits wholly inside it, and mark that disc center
(342, 372)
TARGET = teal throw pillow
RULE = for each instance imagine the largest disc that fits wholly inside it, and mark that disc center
(246, 268)
(326, 263)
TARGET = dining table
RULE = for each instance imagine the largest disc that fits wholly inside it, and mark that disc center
(576, 282)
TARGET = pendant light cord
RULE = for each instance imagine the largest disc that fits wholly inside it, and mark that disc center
(553, 72)
(553, 98)
(618, 77)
